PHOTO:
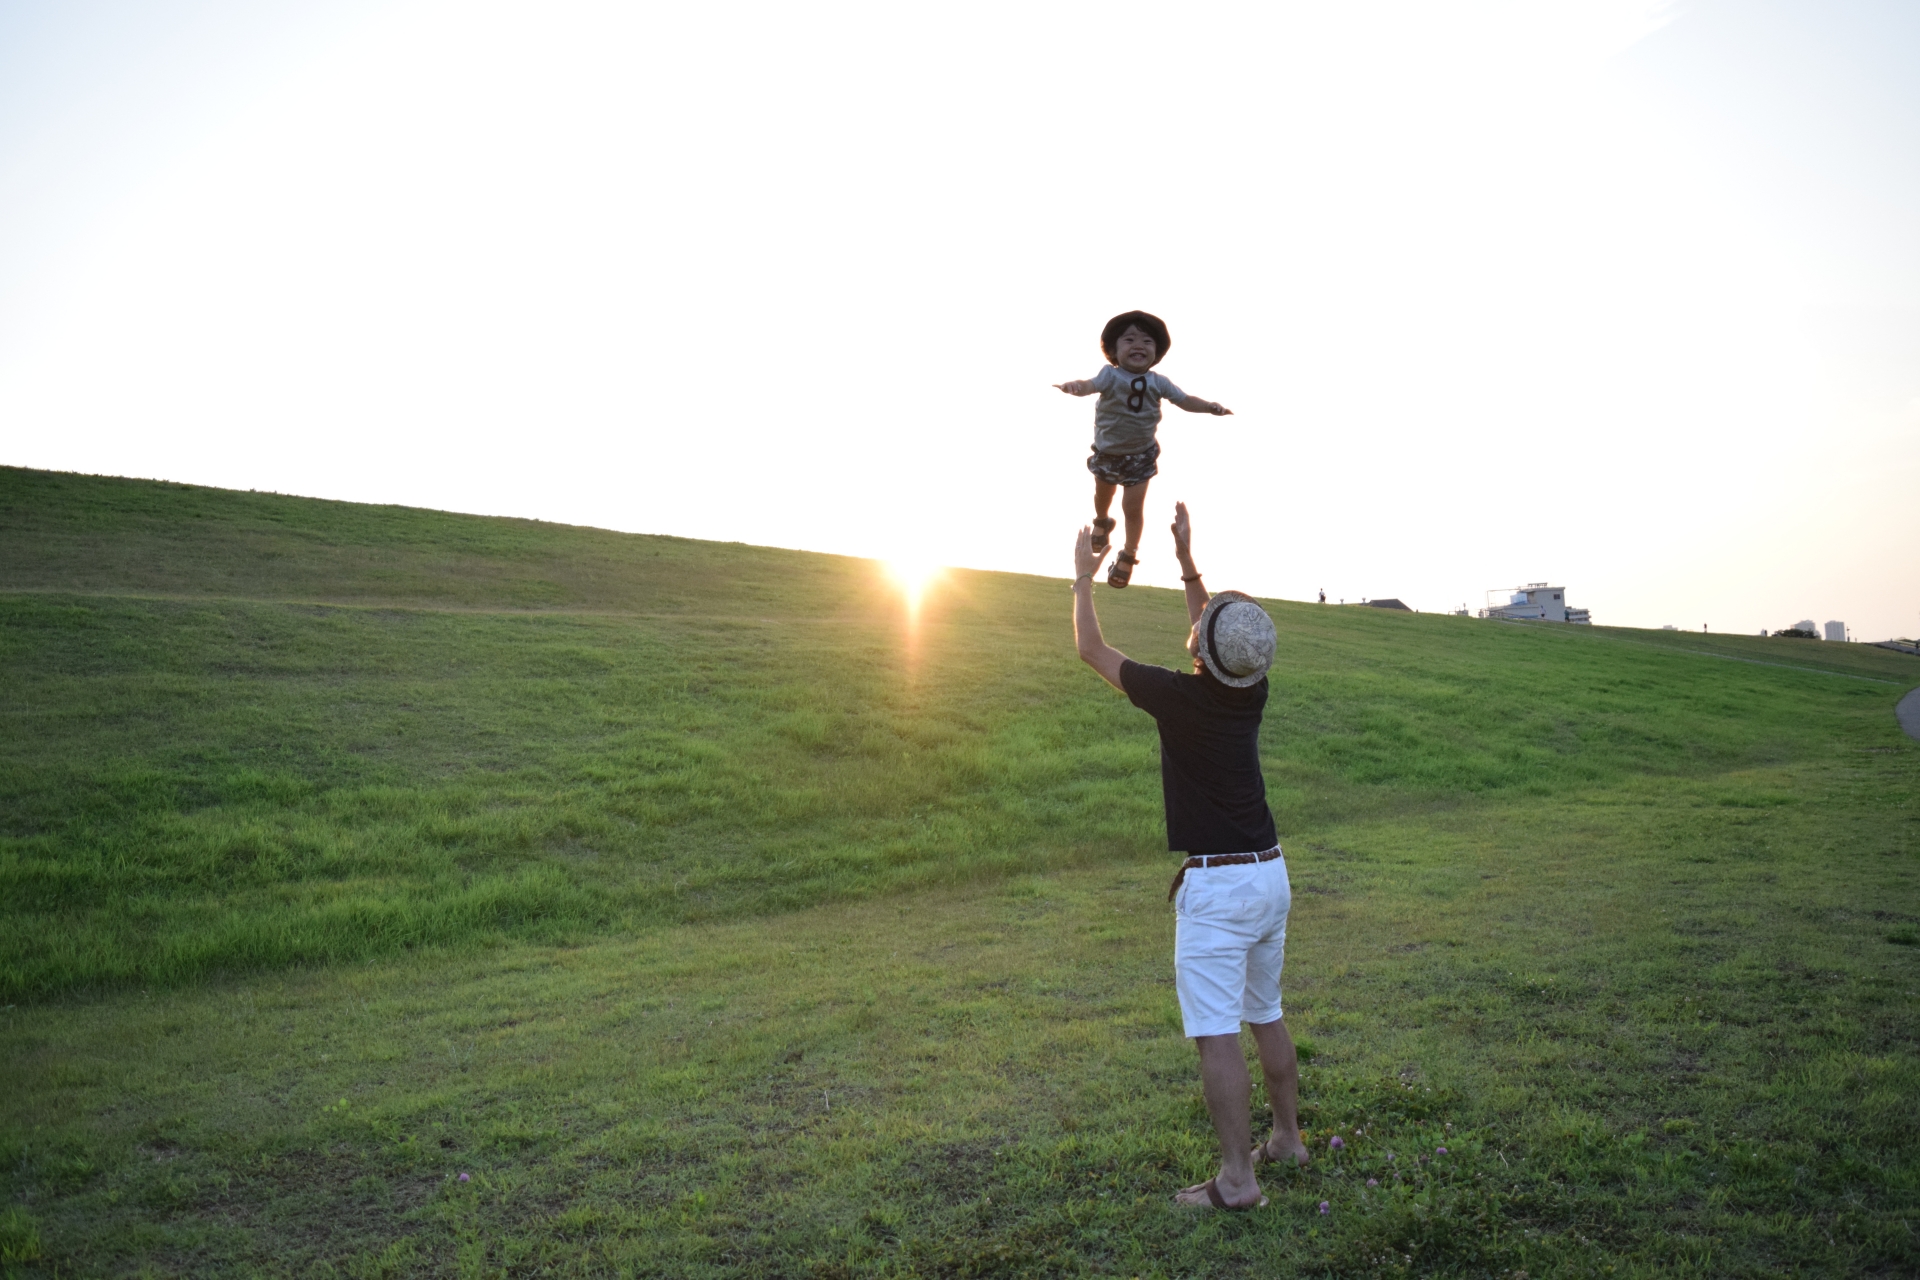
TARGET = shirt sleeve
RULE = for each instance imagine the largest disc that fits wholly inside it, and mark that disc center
(1168, 391)
(1149, 688)
(1103, 380)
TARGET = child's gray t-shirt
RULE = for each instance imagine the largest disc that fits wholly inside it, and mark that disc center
(1128, 411)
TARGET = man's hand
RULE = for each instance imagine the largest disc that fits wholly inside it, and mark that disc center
(1078, 387)
(1086, 561)
(1197, 596)
(1182, 534)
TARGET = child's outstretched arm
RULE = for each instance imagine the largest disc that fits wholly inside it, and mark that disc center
(1194, 404)
(1078, 387)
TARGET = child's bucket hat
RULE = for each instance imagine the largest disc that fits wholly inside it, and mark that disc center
(1236, 639)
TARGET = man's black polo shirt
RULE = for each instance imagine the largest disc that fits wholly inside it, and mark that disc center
(1210, 774)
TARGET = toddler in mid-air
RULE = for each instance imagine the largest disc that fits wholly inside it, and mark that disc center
(1125, 421)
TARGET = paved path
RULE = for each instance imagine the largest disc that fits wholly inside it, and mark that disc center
(1909, 713)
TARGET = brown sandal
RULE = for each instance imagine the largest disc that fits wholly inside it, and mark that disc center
(1102, 526)
(1219, 1201)
(1122, 571)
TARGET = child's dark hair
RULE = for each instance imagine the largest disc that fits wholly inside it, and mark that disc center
(1153, 326)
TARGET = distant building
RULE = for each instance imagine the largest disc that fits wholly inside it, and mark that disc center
(1806, 625)
(1538, 600)
(1837, 631)
(1388, 603)
(1668, 626)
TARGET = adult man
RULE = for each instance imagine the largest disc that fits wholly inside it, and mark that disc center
(1231, 895)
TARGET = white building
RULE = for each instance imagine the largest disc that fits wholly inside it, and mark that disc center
(1538, 600)
(1806, 625)
(1837, 631)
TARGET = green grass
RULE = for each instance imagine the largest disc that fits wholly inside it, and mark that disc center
(713, 929)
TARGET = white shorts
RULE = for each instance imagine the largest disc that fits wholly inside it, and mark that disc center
(1229, 941)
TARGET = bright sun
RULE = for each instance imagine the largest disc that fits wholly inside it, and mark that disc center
(913, 577)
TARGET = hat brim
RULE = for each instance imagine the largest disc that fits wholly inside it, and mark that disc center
(1219, 601)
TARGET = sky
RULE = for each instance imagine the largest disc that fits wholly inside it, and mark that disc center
(1615, 294)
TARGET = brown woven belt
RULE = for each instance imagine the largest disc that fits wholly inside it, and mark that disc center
(1217, 860)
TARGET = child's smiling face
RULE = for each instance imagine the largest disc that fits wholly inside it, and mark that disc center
(1134, 351)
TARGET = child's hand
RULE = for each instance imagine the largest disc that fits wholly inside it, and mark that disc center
(1219, 410)
(1078, 387)
(1086, 561)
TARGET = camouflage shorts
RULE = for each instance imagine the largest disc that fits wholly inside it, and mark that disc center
(1126, 469)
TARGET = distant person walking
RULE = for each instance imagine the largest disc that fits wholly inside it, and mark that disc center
(1231, 894)
(1323, 595)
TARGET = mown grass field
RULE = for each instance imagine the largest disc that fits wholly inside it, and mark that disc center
(712, 925)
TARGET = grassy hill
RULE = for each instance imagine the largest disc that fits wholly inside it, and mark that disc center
(716, 922)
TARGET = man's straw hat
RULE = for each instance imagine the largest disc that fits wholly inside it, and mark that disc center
(1236, 639)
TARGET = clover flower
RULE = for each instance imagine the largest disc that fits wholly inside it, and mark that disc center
(1325, 1208)
(1373, 1182)
(463, 1177)
(1439, 1151)
(1336, 1142)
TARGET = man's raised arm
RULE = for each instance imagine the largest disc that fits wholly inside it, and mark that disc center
(1094, 649)
(1183, 551)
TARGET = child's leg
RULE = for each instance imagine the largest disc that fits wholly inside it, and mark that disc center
(1102, 497)
(1133, 505)
(1102, 523)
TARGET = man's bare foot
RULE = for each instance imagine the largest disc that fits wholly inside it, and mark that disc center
(1230, 1195)
(1277, 1150)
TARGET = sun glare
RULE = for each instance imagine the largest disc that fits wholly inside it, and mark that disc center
(913, 577)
